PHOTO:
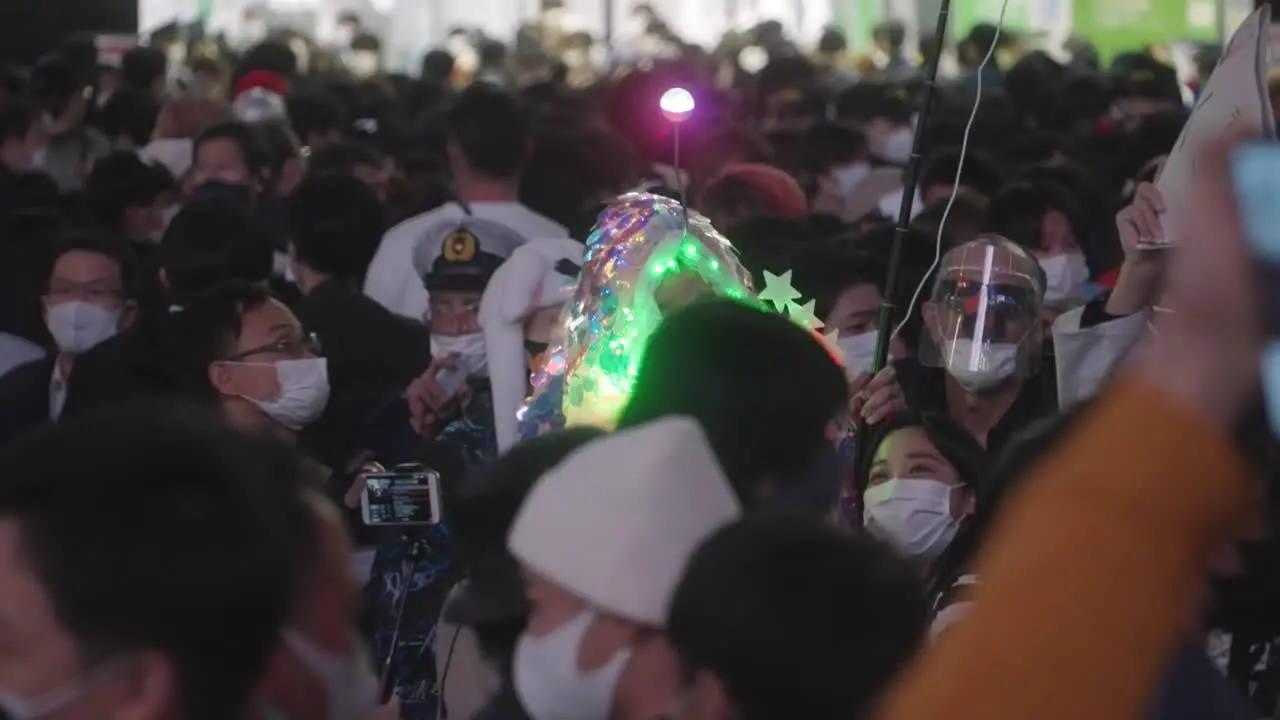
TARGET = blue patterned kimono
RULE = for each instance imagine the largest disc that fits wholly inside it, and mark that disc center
(424, 584)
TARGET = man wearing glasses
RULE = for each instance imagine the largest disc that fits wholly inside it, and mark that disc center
(88, 300)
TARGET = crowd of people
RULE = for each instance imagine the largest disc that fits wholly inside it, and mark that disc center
(672, 479)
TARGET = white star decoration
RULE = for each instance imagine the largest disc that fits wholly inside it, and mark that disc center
(803, 314)
(778, 290)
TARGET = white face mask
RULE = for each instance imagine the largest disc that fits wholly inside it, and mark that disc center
(848, 177)
(897, 146)
(912, 515)
(16, 707)
(78, 326)
(859, 352)
(1065, 277)
(304, 392)
(470, 348)
(550, 685)
(349, 682)
(992, 363)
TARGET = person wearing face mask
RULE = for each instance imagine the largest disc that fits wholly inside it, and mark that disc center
(978, 360)
(921, 477)
(1043, 218)
(595, 646)
(22, 136)
(72, 147)
(88, 300)
(334, 224)
(247, 353)
(206, 523)
(133, 197)
(451, 400)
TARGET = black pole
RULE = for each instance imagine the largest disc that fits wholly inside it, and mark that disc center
(884, 328)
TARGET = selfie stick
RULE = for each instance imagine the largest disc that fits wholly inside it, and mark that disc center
(884, 331)
(677, 106)
(884, 328)
(417, 551)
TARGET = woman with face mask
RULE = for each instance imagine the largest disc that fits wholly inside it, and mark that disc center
(923, 475)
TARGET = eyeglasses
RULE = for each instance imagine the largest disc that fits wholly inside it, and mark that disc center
(96, 292)
(293, 347)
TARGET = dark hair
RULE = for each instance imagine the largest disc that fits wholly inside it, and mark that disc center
(252, 149)
(763, 389)
(1018, 210)
(437, 65)
(481, 512)
(955, 444)
(206, 330)
(796, 618)
(120, 180)
(155, 528)
(343, 158)
(210, 241)
(335, 223)
(141, 67)
(272, 55)
(830, 144)
(281, 145)
(129, 113)
(106, 244)
(979, 172)
(315, 113)
(823, 274)
(490, 128)
(1023, 450)
(17, 117)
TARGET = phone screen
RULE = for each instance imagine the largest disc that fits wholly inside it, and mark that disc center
(1255, 170)
(401, 498)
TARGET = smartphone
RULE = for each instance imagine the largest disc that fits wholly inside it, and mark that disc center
(1255, 172)
(401, 498)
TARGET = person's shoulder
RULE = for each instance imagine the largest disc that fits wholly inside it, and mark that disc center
(524, 220)
(409, 230)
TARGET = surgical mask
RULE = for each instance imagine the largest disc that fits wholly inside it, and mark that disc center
(16, 707)
(547, 679)
(859, 352)
(470, 348)
(848, 177)
(896, 147)
(1065, 275)
(79, 326)
(992, 363)
(304, 392)
(349, 682)
(912, 515)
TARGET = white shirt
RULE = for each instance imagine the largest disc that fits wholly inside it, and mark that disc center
(57, 392)
(16, 351)
(392, 281)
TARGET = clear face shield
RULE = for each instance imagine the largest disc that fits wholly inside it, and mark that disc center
(982, 321)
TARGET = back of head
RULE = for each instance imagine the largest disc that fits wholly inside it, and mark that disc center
(213, 240)
(795, 618)
(491, 131)
(763, 389)
(135, 521)
(335, 223)
(142, 67)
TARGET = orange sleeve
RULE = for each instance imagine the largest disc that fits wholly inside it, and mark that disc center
(1088, 578)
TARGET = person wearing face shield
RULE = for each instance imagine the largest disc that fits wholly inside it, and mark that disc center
(603, 540)
(979, 356)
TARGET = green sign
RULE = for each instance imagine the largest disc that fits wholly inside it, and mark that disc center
(1117, 26)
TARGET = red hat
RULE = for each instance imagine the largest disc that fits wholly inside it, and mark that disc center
(778, 192)
(264, 79)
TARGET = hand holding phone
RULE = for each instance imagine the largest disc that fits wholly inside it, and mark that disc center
(403, 497)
